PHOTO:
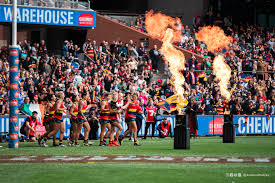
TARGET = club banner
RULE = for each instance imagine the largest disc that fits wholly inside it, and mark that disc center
(213, 125)
(4, 125)
(48, 16)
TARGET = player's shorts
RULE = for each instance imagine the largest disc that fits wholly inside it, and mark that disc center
(80, 120)
(58, 120)
(74, 120)
(130, 119)
(114, 121)
(50, 121)
(104, 121)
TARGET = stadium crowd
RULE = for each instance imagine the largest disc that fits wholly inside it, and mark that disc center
(129, 68)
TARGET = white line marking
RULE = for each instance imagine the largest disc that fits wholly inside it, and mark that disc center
(97, 158)
(211, 159)
(192, 158)
(234, 160)
(262, 160)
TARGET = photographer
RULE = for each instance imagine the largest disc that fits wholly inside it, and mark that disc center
(28, 128)
(164, 128)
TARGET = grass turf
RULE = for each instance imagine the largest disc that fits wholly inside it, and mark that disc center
(246, 146)
(135, 173)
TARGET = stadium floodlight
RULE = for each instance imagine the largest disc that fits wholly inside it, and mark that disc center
(14, 82)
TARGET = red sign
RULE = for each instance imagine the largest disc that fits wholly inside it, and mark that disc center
(13, 136)
(16, 128)
(13, 52)
(13, 119)
(16, 61)
(16, 94)
(14, 86)
(39, 130)
(13, 69)
(218, 126)
(86, 19)
(13, 103)
(16, 78)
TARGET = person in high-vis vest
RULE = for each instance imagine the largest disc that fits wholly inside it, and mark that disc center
(59, 124)
(164, 128)
(104, 119)
(260, 108)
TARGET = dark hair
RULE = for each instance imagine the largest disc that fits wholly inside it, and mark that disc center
(74, 97)
(34, 112)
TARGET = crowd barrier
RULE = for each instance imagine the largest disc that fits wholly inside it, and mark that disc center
(254, 125)
(208, 125)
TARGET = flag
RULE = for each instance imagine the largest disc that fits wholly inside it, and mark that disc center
(75, 66)
(175, 102)
(245, 77)
(29, 108)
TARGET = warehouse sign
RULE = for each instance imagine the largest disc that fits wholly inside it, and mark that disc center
(60, 17)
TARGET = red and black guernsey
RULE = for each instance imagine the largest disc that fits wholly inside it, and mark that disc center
(105, 115)
(260, 110)
(51, 111)
(83, 110)
(59, 113)
(220, 109)
(75, 112)
(114, 107)
(132, 110)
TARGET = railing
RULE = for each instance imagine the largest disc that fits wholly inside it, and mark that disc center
(71, 4)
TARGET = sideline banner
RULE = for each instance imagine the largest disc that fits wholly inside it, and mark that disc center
(207, 125)
(49, 16)
(255, 125)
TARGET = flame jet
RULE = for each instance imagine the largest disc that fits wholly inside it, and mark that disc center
(167, 29)
(215, 39)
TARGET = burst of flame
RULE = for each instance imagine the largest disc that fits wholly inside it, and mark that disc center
(223, 73)
(165, 28)
(215, 39)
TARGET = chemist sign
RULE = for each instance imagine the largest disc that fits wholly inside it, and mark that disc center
(60, 17)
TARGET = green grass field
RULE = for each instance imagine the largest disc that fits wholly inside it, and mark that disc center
(246, 146)
(253, 146)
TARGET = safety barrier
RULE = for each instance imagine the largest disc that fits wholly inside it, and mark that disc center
(207, 124)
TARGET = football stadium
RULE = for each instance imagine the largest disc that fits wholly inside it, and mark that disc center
(137, 91)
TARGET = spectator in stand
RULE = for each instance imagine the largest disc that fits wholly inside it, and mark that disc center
(155, 57)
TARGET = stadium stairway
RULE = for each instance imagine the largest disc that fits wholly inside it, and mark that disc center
(109, 29)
